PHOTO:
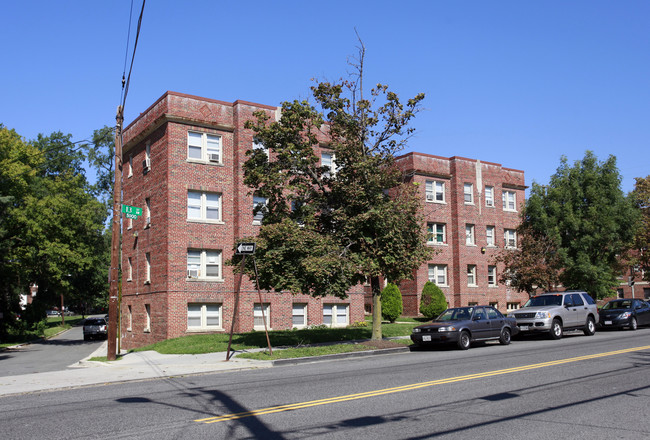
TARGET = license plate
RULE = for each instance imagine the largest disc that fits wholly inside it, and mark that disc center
(426, 338)
(608, 322)
(523, 327)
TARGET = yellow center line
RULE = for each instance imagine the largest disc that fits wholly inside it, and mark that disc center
(415, 386)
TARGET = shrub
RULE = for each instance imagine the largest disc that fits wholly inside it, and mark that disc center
(358, 324)
(391, 302)
(433, 301)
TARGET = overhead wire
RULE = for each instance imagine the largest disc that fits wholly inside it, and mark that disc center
(125, 86)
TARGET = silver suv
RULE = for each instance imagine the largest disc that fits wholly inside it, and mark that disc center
(555, 312)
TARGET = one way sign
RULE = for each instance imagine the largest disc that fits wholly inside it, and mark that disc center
(245, 248)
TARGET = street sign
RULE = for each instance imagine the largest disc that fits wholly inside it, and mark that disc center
(245, 249)
(132, 212)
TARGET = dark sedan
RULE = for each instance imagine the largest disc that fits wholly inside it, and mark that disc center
(464, 325)
(624, 312)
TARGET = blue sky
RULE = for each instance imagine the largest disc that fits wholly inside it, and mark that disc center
(519, 83)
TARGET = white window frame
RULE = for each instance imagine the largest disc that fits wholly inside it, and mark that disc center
(328, 159)
(204, 203)
(339, 315)
(489, 196)
(129, 318)
(437, 274)
(490, 232)
(257, 315)
(299, 311)
(435, 191)
(200, 260)
(435, 230)
(147, 212)
(130, 165)
(147, 268)
(471, 276)
(509, 199)
(129, 269)
(257, 218)
(205, 144)
(468, 193)
(513, 306)
(204, 313)
(470, 235)
(510, 238)
(146, 164)
(492, 276)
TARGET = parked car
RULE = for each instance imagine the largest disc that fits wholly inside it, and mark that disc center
(52, 313)
(624, 312)
(95, 328)
(464, 325)
(556, 312)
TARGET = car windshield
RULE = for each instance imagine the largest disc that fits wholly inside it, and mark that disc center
(95, 322)
(457, 314)
(620, 304)
(544, 300)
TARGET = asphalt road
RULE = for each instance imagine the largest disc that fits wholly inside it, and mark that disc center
(55, 354)
(576, 388)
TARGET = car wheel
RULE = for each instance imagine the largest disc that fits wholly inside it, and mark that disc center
(464, 340)
(505, 336)
(590, 327)
(633, 324)
(556, 329)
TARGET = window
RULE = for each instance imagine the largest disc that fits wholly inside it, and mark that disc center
(203, 206)
(204, 147)
(468, 192)
(129, 319)
(489, 196)
(437, 233)
(512, 306)
(328, 160)
(129, 270)
(335, 315)
(147, 212)
(261, 313)
(147, 323)
(204, 264)
(469, 235)
(490, 312)
(203, 316)
(438, 274)
(146, 163)
(147, 269)
(509, 200)
(259, 209)
(489, 235)
(260, 146)
(492, 276)
(435, 191)
(471, 275)
(130, 165)
(472, 304)
(129, 224)
(510, 238)
(299, 315)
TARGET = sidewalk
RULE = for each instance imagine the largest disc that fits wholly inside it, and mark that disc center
(144, 365)
(132, 366)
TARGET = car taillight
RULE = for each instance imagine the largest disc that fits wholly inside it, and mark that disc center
(103, 327)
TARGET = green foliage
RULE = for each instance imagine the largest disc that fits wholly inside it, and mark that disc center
(325, 231)
(641, 255)
(588, 222)
(432, 301)
(358, 324)
(391, 302)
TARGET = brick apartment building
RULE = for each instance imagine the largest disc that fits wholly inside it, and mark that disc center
(182, 164)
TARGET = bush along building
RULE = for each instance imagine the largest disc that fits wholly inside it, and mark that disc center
(183, 161)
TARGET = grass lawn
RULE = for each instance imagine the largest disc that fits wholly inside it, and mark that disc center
(52, 327)
(209, 343)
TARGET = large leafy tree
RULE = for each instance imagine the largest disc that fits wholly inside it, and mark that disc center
(641, 249)
(326, 229)
(577, 227)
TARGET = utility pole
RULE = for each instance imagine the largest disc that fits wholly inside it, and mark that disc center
(114, 271)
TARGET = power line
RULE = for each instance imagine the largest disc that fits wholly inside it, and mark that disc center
(125, 87)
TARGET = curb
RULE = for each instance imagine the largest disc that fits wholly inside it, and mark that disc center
(328, 357)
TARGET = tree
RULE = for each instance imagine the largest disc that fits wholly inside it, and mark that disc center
(533, 264)
(641, 248)
(432, 300)
(326, 229)
(391, 303)
(586, 218)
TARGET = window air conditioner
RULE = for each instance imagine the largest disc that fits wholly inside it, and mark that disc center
(146, 164)
(214, 157)
(430, 198)
(192, 273)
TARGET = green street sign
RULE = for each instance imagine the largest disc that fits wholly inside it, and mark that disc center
(132, 212)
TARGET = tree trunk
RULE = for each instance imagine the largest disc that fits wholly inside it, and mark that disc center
(376, 308)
